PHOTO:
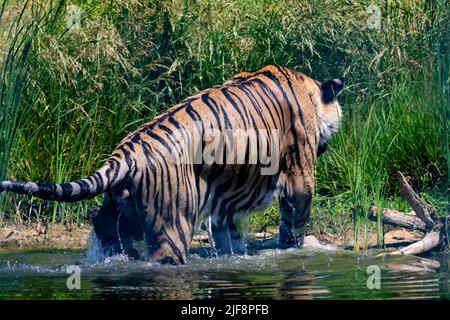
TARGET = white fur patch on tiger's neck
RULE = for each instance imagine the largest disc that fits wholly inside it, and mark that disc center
(329, 118)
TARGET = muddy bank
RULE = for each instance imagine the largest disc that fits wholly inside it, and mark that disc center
(60, 236)
(55, 236)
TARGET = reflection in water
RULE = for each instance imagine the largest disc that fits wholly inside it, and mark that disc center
(266, 274)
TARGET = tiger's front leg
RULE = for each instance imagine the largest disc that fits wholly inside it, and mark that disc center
(294, 214)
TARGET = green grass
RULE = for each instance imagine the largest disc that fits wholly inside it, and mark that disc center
(130, 61)
(16, 38)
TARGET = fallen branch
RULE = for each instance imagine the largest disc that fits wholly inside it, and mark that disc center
(399, 219)
(423, 218)
(430, 241)
(424, 211)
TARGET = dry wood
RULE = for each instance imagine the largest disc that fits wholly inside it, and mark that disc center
(430, 241)
(422, 210)
(399, 219)
(423, 217)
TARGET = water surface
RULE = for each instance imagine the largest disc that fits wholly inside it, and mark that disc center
(266, 274)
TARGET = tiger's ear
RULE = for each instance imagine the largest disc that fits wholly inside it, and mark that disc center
(331, 88)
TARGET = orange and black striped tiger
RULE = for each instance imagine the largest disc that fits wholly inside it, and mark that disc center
(155, 192)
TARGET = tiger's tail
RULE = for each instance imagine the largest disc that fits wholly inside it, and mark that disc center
(109, 175)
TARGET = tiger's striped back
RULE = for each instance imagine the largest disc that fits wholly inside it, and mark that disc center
(161, 186)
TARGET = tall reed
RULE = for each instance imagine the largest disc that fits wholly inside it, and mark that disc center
(16, 36)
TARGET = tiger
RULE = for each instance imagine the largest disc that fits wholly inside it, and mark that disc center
(152, 196)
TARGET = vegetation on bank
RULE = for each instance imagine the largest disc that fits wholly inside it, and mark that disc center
(69, 95)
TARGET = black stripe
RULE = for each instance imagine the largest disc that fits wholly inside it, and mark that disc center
(174, 247)
(226, 94)
(233, 204)
(130, 145)
(174, 123)
(220, 191)
(92, 180)
(193, 114)
(168, 114)
(136, 138)
(168, 260)
(153, 168)
(84, 189)
(251, 201)
(254, 91)
(300, 113)
(114, 167)
(215, 172)
(267, 91)
(228, 124)
(245, 108)
(205, 98)
(126, 154)
(67, 190)
(146, 201)
(291, 112)
(255, 105)
(166, 129)
(98, 178)
(161, 140)
(181, 232)
(162, 184)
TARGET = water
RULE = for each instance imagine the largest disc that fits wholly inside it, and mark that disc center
(265, 274)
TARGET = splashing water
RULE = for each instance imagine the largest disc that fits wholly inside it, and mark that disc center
(97, 253)
(265, 273)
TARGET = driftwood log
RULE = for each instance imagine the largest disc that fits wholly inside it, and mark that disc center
(422, 218)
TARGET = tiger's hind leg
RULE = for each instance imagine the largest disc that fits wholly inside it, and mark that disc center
(168, 243)
(227, 238)
(104, 219)
(237, 241)
(221, 241)
(114, 230)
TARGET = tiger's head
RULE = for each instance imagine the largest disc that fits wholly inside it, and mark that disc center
(328, 111)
